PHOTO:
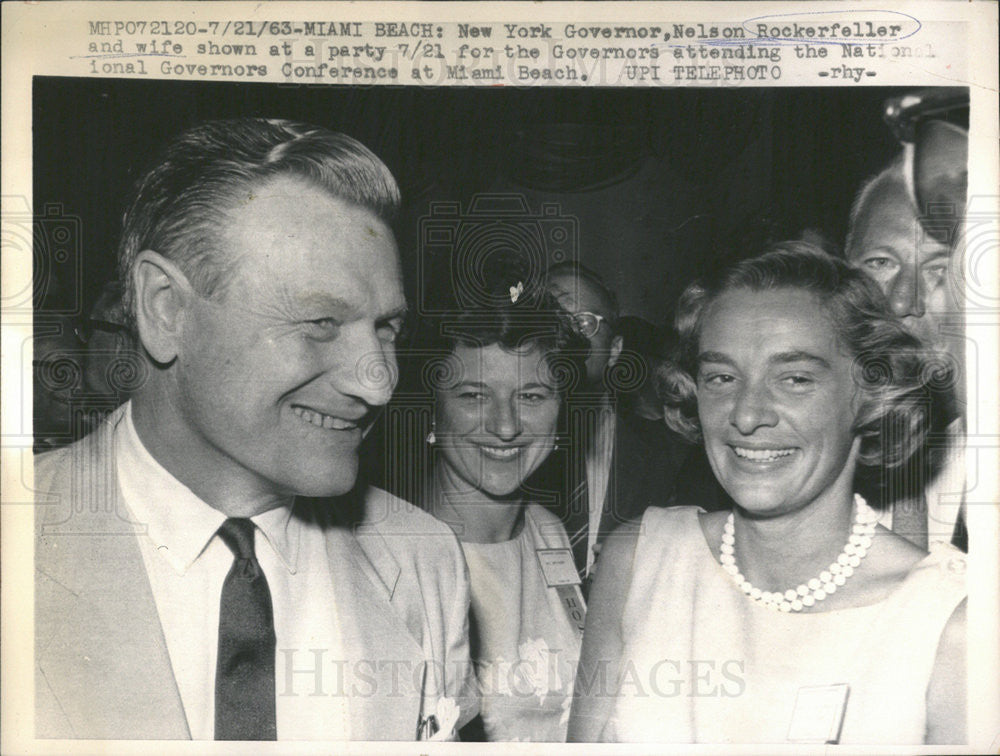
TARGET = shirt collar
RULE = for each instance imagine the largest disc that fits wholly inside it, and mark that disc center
(177, 521)
(282, 532)
(600, 443)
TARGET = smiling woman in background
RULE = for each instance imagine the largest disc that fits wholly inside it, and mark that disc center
(498, 377)
(794, 617)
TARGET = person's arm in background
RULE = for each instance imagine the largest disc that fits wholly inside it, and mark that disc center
(946, 697)
(595, 690)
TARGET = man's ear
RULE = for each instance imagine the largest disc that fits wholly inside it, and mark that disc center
(162, 294)
(615, 351)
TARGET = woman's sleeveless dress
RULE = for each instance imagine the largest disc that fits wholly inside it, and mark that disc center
(705, 664)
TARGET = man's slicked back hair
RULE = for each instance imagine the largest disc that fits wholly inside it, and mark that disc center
(179, 205)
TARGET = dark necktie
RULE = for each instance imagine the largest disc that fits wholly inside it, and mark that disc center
(583, 426)
(578, 524)
(244, 676)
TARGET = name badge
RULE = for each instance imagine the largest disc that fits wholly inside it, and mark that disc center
(818, 714)
(558, 567)
(559, 572)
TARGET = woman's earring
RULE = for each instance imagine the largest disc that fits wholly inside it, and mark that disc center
(431, 438)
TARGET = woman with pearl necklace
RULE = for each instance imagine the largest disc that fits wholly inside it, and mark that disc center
(794, 617)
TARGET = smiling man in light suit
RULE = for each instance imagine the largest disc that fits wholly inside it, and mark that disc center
(206, 566)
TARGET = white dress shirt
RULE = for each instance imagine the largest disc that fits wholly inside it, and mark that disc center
(599, 453)
(187, 564)
(943, 496)
(946, 492)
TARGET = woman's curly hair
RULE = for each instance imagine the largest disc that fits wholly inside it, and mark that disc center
(515, 320)
(892, 368)
(515, 313)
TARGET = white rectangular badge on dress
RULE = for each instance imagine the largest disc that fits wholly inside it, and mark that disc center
(818, 713)
(558, 567)
(559, 572)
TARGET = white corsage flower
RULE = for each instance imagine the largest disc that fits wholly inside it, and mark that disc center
(516, 292)
(539, 667)
(442, 723)
(564, 716)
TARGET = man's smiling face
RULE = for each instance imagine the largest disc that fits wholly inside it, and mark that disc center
(277, 378)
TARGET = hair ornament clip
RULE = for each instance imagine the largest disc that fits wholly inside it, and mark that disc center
(516, 291)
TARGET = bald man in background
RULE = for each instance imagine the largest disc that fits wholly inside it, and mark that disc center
(619, 464)
(905, 252)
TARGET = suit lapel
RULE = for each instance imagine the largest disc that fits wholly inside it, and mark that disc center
(611, 507)
(99, 644)
(104, 656)
(384, 679)
(100, 648)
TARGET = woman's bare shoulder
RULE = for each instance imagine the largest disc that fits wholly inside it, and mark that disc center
(892, 557)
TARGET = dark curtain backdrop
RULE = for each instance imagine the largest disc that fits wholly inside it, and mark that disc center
(654, 184)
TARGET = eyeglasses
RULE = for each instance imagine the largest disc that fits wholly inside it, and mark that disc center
(587, 324)
(84, 330)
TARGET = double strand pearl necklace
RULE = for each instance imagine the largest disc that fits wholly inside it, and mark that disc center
(817, 589)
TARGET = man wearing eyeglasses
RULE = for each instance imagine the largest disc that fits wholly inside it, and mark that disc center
(903, 234)
(594, 308)
(617, 466)
(84, 368)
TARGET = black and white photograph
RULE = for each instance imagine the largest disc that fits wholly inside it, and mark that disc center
(520, 414)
